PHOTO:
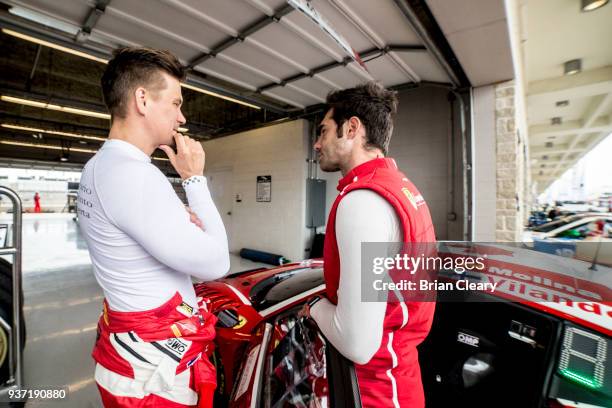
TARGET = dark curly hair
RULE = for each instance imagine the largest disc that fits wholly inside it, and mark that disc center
(133, 67)
(373, 105)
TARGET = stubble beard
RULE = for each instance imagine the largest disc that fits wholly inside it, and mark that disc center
(328, 167)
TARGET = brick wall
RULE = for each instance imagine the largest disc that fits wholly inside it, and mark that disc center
(510, 159)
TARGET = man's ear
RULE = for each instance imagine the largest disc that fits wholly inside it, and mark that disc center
(353, 125)
(140, 100)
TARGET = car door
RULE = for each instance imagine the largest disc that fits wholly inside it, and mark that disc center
(494, 354)
(293, 365)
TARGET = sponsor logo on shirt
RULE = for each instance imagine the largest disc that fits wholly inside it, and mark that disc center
(176, 346)
(410, 197)
(185, 309)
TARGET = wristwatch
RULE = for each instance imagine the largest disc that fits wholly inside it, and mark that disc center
(193, 180)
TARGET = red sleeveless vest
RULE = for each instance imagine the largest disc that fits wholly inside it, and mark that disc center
(392, 378)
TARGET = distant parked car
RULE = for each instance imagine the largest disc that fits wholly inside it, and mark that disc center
(586, 238)
(552, 227)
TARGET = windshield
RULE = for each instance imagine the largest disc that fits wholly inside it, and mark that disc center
(284, 285)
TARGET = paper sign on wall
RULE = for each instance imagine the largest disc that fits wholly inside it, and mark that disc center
(264, 189)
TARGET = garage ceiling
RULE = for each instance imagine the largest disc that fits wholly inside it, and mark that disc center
(262, 53)
(256, 44)
(477, 31)
(557, 31)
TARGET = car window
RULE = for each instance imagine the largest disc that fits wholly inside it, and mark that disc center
(296, 366)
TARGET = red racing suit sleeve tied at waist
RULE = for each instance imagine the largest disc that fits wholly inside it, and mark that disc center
(162, 352)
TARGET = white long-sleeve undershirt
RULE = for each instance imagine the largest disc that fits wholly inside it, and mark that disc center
(355, 327)
(142, 244)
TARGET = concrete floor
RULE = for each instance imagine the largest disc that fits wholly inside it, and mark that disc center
(62, 302)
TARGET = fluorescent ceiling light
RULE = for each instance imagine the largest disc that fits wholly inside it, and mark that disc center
(227, 98)
(67, 109)
(45, 146)
(52, 45)
(54, 107)
(52, 132)
(590, 5)
(52, 147)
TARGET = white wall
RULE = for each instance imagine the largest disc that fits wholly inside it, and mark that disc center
(484, 160)
(279, 151)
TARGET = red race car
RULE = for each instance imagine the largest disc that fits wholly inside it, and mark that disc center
(513, 348)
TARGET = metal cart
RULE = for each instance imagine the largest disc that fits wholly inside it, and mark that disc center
(13, 328)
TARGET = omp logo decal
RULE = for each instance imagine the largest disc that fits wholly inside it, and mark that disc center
(467, 339)
(176, 346)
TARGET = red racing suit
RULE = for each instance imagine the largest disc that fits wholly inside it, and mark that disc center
(156, 358)
(392, 378)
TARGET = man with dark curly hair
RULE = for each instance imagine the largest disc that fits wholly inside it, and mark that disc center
(377, 203)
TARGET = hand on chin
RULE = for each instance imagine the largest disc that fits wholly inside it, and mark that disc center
(170, 140)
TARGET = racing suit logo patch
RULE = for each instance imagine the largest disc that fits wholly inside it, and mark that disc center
(410, 197)
(176, 346)
(185, 309)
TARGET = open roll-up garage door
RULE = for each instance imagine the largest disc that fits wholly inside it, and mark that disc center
(251, 63)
